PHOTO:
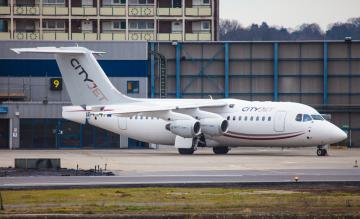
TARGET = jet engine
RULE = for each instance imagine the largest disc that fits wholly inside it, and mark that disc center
(184, 128)
(214, 126)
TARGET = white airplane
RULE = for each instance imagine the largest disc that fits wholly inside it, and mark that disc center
(185, 123)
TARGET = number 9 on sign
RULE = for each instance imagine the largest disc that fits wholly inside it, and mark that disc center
(55, 84)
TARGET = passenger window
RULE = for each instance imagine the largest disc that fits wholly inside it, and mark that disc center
(263, 118)
(251, 118)
(240, 118)
(257, 118)
(269, 118)
(228, 118)
(234, 118)
(307, 118)
(246, 118)
(298, 117)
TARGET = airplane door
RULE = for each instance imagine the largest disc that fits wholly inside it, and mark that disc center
(122, 123)
(279, 121)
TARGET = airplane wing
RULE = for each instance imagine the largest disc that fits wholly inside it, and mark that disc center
(146, 109)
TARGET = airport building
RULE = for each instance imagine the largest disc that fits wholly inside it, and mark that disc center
(325, 75)
(110, 20)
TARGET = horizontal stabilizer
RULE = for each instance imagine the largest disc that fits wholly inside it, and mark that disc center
(55, 50)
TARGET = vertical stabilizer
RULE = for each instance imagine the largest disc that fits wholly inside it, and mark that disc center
(85, 80)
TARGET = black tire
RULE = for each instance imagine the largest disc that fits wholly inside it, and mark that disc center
(321, 152)
(186, 151)
(221, 150)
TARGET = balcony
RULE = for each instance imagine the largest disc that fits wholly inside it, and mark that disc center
(55, 36)
(169, 36)
(141, 35)
(169, 11)
(198, 11)
(5, 36)
(88, 11)
(118, 36)
(112, 11)
(22, 35)
(26, 10)
(84, 36)
(136, 11)
(5, 10)
(198, 36)
(55, 10)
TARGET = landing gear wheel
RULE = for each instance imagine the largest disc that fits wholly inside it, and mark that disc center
(321, 152)
(186, 151)
(221, 150)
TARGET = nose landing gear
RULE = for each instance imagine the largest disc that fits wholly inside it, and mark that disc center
(321, 151)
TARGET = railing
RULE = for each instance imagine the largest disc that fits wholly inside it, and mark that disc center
(119, 36)
(52, 35)
(83, 11)
(112, 11)
(5, 36)
(140, 35)
(141, 10)
(22, 35)
(169, 11)
(26, 10)
(55, 10)
(198, 11)
(202, 36)
(84, 36)
(5, 10)
(169, 36)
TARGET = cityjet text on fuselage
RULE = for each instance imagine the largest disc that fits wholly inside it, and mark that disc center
(257, 109)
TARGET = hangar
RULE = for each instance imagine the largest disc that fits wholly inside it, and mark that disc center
(323, 74)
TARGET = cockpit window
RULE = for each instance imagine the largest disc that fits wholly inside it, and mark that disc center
(307, 118)
(317, 117)
(298, 117)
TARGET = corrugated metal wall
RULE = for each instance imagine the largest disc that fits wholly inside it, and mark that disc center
(325, 75)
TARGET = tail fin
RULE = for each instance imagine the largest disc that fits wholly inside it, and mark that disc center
(85, 80)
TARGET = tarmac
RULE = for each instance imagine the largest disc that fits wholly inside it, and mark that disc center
(166, 167)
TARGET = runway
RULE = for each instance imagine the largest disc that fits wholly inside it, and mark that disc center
(165, 167)
(181, 178)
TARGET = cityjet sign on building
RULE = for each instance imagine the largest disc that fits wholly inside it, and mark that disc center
(91, 85)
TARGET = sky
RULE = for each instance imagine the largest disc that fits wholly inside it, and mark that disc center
(289, 13)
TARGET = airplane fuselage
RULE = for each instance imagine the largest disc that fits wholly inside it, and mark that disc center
(250, 124)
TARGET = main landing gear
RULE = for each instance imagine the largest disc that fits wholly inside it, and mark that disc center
(221, 150)
(321, 151)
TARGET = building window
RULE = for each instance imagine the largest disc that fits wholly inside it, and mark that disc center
(119, 25)
(206, 2)
(141, 25)
(205, 25)
(133, 87)
(54, 25)
(54, 2)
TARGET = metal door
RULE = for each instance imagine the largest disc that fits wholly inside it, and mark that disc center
(279, 121)
(122, 123)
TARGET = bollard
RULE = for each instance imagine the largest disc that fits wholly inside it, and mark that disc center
(356, 164)
(1, 203)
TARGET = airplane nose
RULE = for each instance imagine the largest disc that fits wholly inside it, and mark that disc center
(338, 134)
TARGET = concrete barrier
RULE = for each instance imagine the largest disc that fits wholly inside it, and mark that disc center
(37, 163)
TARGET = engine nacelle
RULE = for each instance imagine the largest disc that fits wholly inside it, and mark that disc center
(184, 128)
(214, 126)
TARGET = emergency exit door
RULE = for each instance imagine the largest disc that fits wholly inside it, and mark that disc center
(279, 121)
